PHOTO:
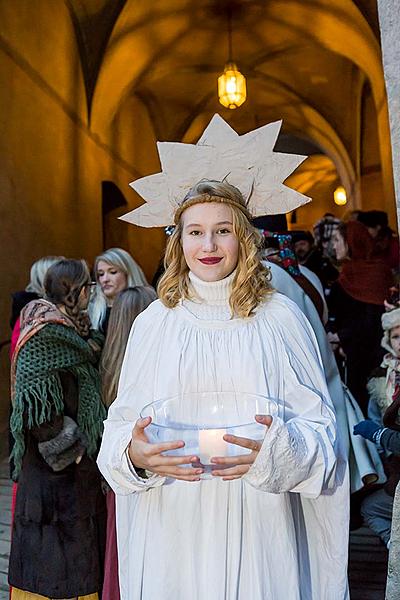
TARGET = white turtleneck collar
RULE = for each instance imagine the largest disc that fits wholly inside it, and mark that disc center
(212, 292)
(211, 298)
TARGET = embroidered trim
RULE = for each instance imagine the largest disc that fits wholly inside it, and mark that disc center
(281, 461)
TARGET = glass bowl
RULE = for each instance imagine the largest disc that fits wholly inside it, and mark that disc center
(201, 419)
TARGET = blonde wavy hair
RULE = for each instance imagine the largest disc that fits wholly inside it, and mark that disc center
(250, 286)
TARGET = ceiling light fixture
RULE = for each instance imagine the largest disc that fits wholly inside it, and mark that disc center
(340, 196)
(231, 84)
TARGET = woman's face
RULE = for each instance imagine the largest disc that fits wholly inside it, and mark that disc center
(339, 245)
(111, 279)
(394, 338)
(210, 247)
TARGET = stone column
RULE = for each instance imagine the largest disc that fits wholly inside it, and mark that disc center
(393, 579)
(389, 21)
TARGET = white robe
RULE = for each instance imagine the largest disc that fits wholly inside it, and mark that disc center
(280, 532)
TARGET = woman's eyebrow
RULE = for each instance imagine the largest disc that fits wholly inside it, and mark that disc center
(219, 223)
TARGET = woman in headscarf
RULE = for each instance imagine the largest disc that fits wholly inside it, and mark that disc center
(58, 533)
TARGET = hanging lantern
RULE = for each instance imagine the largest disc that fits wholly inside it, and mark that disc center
(340, 196)
(231, 87)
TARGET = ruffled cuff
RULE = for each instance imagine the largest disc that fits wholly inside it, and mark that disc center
(123, 477)
(151, 479)
(285, 461)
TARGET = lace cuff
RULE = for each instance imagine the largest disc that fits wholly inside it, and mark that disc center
(283, 461)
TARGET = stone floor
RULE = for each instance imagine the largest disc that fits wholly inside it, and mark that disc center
(367, 568)
(5, 529)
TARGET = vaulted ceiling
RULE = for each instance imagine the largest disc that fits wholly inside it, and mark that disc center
(314, 63)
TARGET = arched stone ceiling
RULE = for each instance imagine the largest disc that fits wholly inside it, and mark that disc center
(93, 21)
(305, 61)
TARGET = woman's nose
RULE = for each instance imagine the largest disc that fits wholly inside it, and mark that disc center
(209, 244)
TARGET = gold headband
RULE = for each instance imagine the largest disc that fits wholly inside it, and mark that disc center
(201, 198)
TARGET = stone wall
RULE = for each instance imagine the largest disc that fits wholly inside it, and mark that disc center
(52, 166)
(390, 35)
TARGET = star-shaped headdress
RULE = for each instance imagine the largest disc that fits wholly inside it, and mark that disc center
(245, 161)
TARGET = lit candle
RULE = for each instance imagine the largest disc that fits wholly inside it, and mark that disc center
(211, 443)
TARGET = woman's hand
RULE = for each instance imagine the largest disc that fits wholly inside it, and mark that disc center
(243, 462)
(145, 455)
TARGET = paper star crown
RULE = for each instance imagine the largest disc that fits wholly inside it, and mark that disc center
(246, 161)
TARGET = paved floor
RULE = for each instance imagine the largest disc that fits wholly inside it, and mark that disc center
(5, 529)
(367, 568)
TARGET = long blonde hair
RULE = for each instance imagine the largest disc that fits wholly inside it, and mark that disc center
(126, 307)
(38, 273)
(250, 285)
(122, 260)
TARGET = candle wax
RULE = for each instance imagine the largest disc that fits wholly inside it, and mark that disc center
(211, 443)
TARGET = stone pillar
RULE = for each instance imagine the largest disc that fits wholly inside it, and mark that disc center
(389, 22)
(393, 580)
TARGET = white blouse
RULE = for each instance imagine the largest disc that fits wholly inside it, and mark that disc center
(279, 532)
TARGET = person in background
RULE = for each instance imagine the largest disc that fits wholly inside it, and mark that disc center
(386, 243)
(114, 270)
(126, 307)
(278, 249)
(364, 460)
(384, 390)
(58, 536)
(323, 231)
(351, 215)
(33, 291)
(356, 304)
(388, 438)
(310, 256)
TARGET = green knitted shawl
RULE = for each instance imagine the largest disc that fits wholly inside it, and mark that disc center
(38, 391)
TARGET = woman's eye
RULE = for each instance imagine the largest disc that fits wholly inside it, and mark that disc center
(194, 232)
(223, 230)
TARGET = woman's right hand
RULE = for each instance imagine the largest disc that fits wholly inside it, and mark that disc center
(145, 455)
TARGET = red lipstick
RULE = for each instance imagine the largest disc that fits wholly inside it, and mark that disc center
(210, 260)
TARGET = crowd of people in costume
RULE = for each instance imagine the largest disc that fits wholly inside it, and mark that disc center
(240, 305)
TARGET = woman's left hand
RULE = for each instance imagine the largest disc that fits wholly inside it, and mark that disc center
(243, 462)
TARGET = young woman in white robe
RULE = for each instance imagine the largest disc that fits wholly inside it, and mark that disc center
(274, 526)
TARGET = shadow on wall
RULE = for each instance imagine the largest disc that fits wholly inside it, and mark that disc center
(113, 205)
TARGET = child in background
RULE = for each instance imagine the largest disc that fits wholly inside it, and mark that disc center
(126, 307)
